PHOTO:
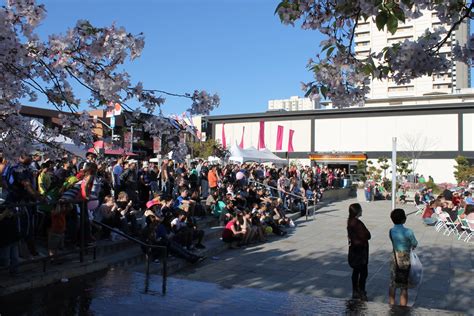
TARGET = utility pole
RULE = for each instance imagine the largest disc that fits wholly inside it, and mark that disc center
(131, 140)
(394, 171)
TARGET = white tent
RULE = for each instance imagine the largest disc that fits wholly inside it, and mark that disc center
(252, 154)
(66, 143)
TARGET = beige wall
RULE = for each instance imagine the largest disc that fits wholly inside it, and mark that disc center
(468, 132)
(301, 138)
(375, 133)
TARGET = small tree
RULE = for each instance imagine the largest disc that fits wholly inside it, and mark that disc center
(403, 166)
(373, 172)
(464, 170)
(208, 148)
(383, 163)
(361, 168)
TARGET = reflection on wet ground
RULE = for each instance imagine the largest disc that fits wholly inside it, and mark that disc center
(119, 292)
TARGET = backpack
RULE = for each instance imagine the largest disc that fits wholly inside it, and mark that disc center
(8, 178)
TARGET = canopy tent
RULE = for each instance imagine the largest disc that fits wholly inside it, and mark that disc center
(66, 143)
(98, 145)
(251, 154)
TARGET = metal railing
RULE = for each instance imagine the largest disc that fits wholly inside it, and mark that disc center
(304, 198)
(148, 254)
(20, 208)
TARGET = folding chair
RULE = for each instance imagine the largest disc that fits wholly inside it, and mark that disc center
(441, 219)
(470, 225)
(420, 209)
(450, 226)
(464, 227)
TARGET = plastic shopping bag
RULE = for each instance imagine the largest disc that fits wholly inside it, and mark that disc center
(416, 270)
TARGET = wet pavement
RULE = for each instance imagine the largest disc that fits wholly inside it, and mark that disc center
(312, 260)
(119, 292)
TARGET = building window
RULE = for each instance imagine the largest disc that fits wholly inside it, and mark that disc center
(401, 89)
(399, 39)
(442, 86)
(362, 44)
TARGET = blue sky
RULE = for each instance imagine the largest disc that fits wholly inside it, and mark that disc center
(237, 48)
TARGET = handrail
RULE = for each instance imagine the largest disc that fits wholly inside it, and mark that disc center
(164, 256)
(289, 193)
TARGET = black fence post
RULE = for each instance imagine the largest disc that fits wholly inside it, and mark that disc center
(82, 230)
(165, 268)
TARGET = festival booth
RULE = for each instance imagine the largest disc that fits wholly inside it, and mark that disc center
(66, 143)
(252, 154)
(106, 148)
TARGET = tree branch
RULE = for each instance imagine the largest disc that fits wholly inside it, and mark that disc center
(453, 27)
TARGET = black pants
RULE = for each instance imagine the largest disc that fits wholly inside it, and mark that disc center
(359, 277)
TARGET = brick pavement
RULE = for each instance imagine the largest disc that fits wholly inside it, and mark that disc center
(312, 260)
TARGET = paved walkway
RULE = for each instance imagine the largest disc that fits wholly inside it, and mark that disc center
(119, 292)
(312, 260)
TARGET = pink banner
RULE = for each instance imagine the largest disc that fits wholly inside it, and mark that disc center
(156, 144)
(290, 141)
(127, 141)
(242, 139)
(224, 143)
(279, 137)
(261, 135)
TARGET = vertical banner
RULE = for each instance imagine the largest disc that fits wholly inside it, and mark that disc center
(182, 137)
(261, 135)
(290, 141)
(279, 143)
(224, 144)
(127, 141)
(242, 139)
(156, 144)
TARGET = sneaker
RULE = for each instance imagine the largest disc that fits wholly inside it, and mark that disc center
(200, 246)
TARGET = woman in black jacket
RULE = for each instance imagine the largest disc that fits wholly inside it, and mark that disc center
(359, 237)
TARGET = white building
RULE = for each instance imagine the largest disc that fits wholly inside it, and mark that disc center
(294, 103)
(336, 136)
(368, 39)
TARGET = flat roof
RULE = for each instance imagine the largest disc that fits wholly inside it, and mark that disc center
(355, 110)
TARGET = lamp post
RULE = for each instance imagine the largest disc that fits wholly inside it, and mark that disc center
(394, 170)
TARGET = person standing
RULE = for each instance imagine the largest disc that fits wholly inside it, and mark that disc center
(358, 256)
(403, 241)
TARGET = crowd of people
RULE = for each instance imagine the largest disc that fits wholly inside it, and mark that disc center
(161, 203)
(448, 210)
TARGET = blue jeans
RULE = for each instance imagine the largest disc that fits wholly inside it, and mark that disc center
(9, 256)
(368, 195)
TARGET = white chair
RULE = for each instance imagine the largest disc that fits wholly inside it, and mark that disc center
(470, 225)
(441, 217)
(420, 209)
(450, 226)
(464, 227)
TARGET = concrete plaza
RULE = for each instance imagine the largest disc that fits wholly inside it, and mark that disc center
(312, 260)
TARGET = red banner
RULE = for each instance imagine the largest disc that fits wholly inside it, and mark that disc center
(261, 135)
(279, 143)
(290, 141)
(242, 139)
(224, 143)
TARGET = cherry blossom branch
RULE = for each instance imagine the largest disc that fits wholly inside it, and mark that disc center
(453, 27)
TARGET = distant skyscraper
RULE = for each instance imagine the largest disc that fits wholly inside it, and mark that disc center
(369, 39)
(294, 103)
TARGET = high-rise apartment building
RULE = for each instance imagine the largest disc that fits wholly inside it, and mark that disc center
(369, 39)
(294, 103)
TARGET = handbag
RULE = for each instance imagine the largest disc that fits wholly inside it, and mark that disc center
(401, 274)
(416, 270)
